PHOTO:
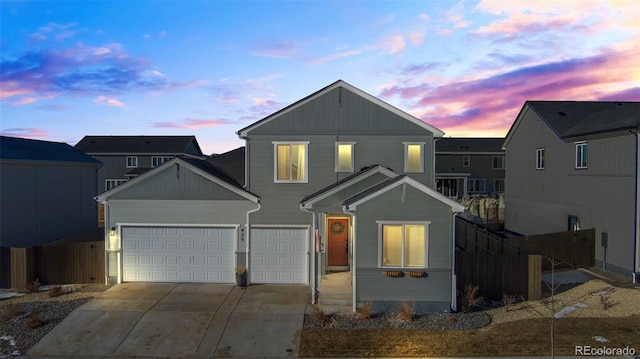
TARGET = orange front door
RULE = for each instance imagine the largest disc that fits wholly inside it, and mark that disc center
(338, 238)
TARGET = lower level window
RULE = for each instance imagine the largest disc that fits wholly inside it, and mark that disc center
(403, 245)
(475, 185)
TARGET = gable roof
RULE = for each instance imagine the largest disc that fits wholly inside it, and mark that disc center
(569, 119)
(469, 145)
(201, 167)
(14, 148)
(139, 144)
(231, 163)
(365, 172)
(242, 133)
(352, 202)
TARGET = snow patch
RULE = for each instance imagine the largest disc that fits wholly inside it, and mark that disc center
(569, 309)
(600, 339)
(6, 294)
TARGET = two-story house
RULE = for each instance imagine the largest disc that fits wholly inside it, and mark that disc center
(468, 166)
(125, 157)
(574, 164)
(47, 192)
(339, 180)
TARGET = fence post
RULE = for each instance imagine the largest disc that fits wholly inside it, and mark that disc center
(534, 270)
(22, 271)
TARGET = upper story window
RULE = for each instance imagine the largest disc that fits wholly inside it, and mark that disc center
(403, 245)
(132, 161)
(290, 161)
(414, 156)
(466, 161)
(498, 162)
(344, 156)
(158, 160)
(540, 158)
(581, 155)
(111, 183)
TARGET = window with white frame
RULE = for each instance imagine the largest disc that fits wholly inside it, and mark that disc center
(540, 158)
(403, 245)
(111, 183)
(344, 156)
(466, 161)
(414, 156)
(158, 160)
(498, 162)
(290, 161)
(498, 185)
(581, 155)
(475, 185)
(132, 161)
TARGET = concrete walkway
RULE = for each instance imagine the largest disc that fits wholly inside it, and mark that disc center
(166, 320)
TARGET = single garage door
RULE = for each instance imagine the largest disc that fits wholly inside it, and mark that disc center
(178, 254)
(279, 255)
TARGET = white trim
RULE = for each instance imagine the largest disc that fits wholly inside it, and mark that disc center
(427, 237)
(275, 161)
(378, 169)
(493, 162)
(337, 156)
(468, 162)
(455, 206)
(406, 156)
(540, 157)
(340, 83)
(133, 158)
(134, 224)
(584, 145)
(280, 226)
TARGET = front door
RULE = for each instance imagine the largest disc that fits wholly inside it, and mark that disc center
(338, 238)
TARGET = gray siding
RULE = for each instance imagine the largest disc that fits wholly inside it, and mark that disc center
(481, 167)
(417, 206)
(42, 202)
(178, 184)
(540, 201)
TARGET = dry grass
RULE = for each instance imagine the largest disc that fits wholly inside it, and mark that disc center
(33, 287)
(520, 338)
(319, 314)
(407, 311)
(56, 291)
(34, 320)
(470, 298)
(8, 312)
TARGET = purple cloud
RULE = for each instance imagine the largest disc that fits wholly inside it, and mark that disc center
(26, 132)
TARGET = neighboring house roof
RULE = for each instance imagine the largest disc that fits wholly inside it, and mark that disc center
(569, 119)
(365, 172)
(14, 148)
(469, 145)
(201, 167)
(232, 163)
(139, 145)
(242, 133)
(352, 202)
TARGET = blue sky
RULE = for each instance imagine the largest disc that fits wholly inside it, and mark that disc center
(208, 68)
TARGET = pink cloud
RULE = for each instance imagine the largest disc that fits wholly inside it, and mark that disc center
(189, 123)
(109, 101)
(26, 132)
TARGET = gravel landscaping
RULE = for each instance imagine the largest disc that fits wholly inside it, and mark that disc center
(391, 320)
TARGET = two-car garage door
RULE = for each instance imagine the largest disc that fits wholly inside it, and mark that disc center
(178, 254)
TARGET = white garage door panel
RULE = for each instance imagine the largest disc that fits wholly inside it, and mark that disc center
(176, 254)
(279, 255)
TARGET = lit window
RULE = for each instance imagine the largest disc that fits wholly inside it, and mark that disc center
(540, 158)
(498, 162)
(344, 157)
(290, 162)
(581, 155)
(414, 157)
(132, 161)
(403, 245)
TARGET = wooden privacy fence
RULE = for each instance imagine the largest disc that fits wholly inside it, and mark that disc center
(62, 262)
(498, 274)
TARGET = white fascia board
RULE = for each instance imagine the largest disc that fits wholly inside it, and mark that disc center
(340, 83)
(455, 206)
(380, 169)
(452, 174)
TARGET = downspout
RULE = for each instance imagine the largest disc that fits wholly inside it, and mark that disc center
(433, 163)
(354, 302)
(636, 217)
(454, 288)
(313, 254)
(248, 245)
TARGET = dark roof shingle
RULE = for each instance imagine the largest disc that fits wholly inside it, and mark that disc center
(14, 148)
(139, 144)
(469, 145)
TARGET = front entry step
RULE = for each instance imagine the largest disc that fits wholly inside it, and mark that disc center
(336, 293)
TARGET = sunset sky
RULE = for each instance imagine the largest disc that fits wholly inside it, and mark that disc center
(208, 68)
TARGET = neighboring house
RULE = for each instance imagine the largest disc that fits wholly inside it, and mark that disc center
(575, 165)
(47, 192)
(339, 180)
(468, 166)
(125, 157)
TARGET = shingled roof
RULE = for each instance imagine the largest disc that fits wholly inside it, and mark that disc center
(14, 148)
(231, 162)
(140, 144)
(448, 145)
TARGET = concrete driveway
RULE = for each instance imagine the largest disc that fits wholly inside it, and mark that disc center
(182, 320)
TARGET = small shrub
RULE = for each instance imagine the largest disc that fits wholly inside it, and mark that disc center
(470, 298)
(508, 300)
(407, 311)
(319, 314)
(56, 291)
(450, 319)
(9, 312)
(240, 269)
(606, 302)
(365, 310)
(34, 320)
(33, 287)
